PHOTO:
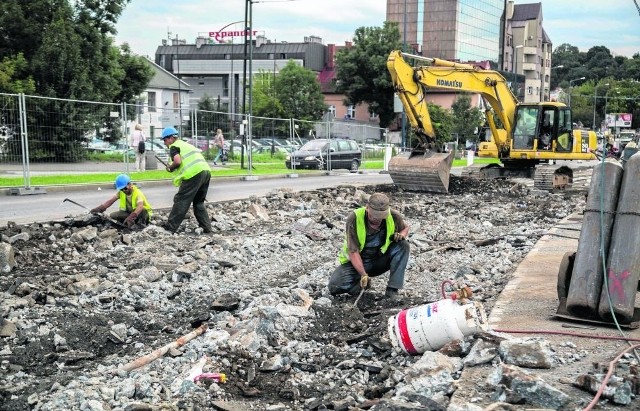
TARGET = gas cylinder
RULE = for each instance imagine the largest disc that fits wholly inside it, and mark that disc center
(429, 327)
(623, 259)
(586, 278)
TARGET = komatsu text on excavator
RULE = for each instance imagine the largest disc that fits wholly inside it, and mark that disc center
(522, 135)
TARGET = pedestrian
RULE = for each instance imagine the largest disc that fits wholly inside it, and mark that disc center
(375, 242)
(193, 175)
(219, 142)
(138, 145)
(134, 207)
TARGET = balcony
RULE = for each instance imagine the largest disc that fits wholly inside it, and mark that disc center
(529, 67)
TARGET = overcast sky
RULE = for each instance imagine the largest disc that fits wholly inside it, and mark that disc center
(614, 24)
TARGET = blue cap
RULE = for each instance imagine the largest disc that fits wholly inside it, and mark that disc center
(168, 132)
(121, 181)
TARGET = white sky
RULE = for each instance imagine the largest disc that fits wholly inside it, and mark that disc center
(614, 24)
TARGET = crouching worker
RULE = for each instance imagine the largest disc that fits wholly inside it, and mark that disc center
(375, 242)
(134, 207)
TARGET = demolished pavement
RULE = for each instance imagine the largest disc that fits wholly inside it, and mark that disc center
(81, 302)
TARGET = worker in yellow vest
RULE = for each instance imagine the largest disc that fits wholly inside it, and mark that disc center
(192, 176)
(134, 207)
(375, 242)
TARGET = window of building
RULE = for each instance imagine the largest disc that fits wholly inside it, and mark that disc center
(227, 56)
(283, 56)
(332, 110)
(373, 116)
(151, 101)
(351, 112)
(530, 90)
(176, 102)
(225, 86)
(271, 56)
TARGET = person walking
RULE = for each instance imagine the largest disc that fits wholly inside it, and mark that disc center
(138, 145)
(375, 242)
(219, 142)
(134, 207)
(193, 175)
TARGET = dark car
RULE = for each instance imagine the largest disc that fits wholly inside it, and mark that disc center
(324, 154)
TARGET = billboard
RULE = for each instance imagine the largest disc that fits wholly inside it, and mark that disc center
(618, 119)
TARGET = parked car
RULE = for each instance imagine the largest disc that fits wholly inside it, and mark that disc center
(324, 154)
(157, 147)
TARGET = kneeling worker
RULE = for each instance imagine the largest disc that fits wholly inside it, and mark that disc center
(134, 207)
(375, 242)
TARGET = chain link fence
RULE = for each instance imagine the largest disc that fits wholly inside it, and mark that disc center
(59, 136)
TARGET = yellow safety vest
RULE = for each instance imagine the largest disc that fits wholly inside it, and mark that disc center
(193, 162)
(361, 231)
(135, 195)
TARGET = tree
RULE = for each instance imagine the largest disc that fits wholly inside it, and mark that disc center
(265, 101)
(69, 50)
(442, 121)
(14, 77)
(298, 91)
(467, 119)
(362, 74)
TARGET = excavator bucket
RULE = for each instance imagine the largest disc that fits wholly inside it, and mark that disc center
(420, 171)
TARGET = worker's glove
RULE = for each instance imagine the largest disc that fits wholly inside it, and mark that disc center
(398, 237)
(131, 220)
(364, 281)
(99, 209)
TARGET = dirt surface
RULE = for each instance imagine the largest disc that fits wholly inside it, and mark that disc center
(84, 299)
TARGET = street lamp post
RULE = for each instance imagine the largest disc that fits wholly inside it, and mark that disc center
(595, 101)
(514, 86)
(571, 86)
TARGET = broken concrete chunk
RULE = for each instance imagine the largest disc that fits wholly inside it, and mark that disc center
(530, 353)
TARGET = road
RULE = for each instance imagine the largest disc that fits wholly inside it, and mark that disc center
(50, 206)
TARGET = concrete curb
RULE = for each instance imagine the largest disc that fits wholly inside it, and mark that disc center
(156, 183)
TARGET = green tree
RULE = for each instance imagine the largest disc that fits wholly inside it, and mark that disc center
(14, 77)
(362, 74)
(443, 123)
(69, 50)
(265, 101)
(298, 91)
(467, 119)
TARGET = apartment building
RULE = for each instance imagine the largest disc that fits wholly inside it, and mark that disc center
(509, 36)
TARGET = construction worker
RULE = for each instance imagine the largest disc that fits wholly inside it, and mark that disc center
(134, 207)
(375, 242)
(193, 175)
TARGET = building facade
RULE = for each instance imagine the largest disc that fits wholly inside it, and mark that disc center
(458, 30)
(527, 50)
(508, 35)
(218, 69)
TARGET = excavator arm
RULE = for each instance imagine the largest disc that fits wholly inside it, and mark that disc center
(411, 84)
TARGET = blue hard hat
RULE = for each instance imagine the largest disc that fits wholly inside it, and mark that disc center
(168, 132)
(121, 181)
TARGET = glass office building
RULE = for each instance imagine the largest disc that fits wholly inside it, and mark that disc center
(464, 30)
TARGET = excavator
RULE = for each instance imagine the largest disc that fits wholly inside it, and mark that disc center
(525, 137)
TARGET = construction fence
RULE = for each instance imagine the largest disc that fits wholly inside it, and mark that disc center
(57, 136)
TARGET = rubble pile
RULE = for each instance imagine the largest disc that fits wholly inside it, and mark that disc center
(81, 302)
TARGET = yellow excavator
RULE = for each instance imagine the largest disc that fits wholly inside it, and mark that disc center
(525, 137)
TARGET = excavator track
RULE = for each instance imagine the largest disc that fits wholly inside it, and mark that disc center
(553, 177)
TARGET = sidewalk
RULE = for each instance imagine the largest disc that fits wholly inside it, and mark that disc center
(529, 302)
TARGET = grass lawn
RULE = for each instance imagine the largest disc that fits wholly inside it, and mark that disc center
(231, 169)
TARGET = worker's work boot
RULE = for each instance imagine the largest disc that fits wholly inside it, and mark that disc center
(392, 294)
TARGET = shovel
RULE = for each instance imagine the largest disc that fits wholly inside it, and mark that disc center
(160, 160)
(107, 218)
